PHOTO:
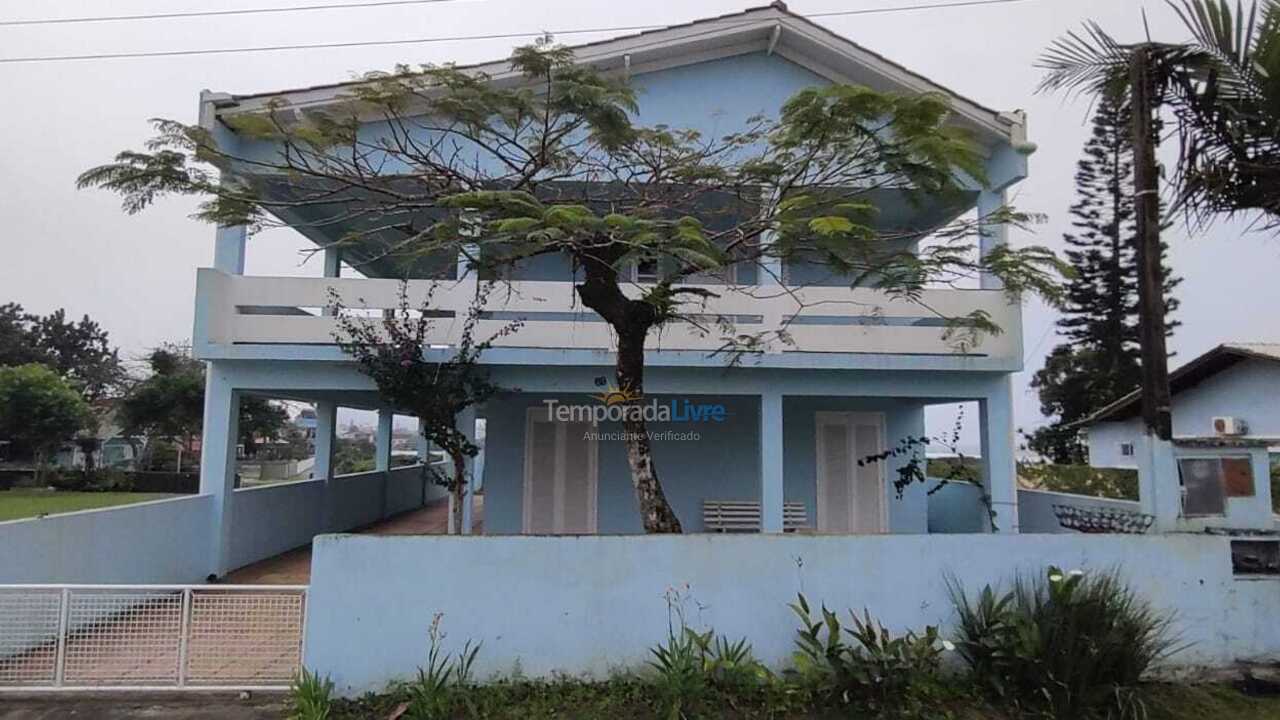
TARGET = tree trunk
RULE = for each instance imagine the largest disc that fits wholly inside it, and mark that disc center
(631, 320)
(458, 494)
(655, 512)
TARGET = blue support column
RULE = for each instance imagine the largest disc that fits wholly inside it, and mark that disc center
(467, 423)
(228, 249)
(382, 461)
(999, 459)
(771, 465)
(382, 453)
(218, 462)
(326, 434)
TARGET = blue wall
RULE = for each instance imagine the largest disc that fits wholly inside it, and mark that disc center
(724, 464)
(590, 606)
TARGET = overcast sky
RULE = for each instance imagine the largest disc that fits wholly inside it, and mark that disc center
(65, 248)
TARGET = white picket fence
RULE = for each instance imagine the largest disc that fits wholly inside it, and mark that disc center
(150, 637)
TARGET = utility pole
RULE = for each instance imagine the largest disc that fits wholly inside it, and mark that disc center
(1156, 403)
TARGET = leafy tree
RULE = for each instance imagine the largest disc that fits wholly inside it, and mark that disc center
(1222, 89)
(391, 352)
(555, 166)
(16, 347)
(80, 352)
(1101, 359)
(353, 455)
(39, 410)
(169, 403)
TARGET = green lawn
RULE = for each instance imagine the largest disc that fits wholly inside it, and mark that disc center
(15, 504)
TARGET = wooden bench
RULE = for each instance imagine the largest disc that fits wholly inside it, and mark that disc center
(744, 516)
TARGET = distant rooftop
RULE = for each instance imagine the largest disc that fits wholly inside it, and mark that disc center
(1189, 375)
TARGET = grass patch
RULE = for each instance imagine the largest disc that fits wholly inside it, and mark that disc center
(1207, 702)
(634, 699)
(18, 504)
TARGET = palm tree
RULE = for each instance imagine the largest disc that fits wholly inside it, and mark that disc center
(1222, 89)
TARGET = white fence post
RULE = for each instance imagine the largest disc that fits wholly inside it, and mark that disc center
(60, 657)
(184, 637)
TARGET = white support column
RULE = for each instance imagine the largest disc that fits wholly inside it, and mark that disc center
(771, 268)
(218, 462)
(999, 459)
(382, 454)
(228, 249)
(771, 466)
(467, 423)
(326, 437)
(1159, 487)
(468, 277)
(332, 262)
(990, 202)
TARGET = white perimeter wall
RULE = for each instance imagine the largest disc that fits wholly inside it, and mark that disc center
(591, 605)
(170, 541)
(163, 541)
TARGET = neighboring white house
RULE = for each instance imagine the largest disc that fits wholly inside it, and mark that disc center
(1231, 391)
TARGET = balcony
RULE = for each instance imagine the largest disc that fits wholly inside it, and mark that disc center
(254, 317)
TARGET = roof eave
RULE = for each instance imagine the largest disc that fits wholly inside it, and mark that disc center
(770, 28)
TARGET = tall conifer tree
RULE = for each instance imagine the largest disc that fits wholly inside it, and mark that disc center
(1100, 359)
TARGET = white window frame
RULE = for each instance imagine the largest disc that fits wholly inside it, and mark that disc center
(539, 414)
(850, 419)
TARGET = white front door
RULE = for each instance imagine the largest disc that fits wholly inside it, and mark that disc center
(560, 476)
(851, 496)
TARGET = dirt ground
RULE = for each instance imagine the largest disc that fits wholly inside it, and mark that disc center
(118, 706)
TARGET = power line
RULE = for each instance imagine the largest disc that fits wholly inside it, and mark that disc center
(214, 13)
(460, 38)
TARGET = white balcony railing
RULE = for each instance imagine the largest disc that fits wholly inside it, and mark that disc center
(241, 310)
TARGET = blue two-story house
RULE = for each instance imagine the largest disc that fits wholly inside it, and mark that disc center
(779, 434)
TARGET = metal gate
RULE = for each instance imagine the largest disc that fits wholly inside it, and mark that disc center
(151, 637)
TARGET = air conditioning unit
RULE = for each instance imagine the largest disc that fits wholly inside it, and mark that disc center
(1230, 426)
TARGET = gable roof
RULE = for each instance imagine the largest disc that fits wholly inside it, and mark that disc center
(1193, 373)
(770, 28)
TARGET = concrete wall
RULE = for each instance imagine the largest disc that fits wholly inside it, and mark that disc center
(1035, 508)
(592, 605)
(724, 464)
(169, 541)
(1246, 390)
(272, 519)
(164, 541)
(958, 508)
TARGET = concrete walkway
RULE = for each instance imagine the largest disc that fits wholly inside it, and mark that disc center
(294, 567)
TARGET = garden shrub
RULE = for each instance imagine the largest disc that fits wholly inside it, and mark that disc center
(443, 681)
(1064, 645)
(310, 697)
(887, 674)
